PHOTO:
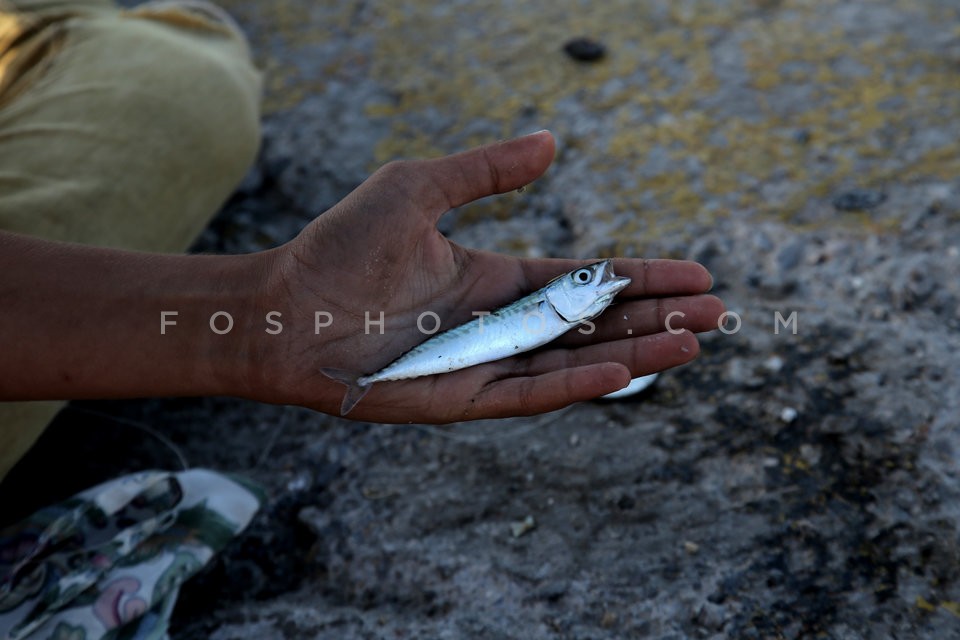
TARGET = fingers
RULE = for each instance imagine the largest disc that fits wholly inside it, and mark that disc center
(663, 277)
(441, 184)
(525, 385)
(454, 397)
(554, 379)
(548, 392)
(645, 317)
(648, 277)
(491, 169)
(641, 356)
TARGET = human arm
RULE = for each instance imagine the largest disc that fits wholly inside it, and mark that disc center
(88, 320)
(85, 322)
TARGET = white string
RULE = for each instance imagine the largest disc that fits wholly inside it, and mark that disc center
(142, 427)
(288, 416)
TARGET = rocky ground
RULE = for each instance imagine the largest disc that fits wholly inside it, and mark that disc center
(796, 481)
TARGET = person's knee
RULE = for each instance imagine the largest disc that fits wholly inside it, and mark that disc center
(203, 71)
(151, 115)
(193, 112)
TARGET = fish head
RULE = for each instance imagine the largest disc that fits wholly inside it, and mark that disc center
(584, 293)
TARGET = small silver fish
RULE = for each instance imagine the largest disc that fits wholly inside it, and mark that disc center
(532, 321)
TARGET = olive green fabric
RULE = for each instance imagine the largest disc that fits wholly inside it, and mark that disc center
(121, 128)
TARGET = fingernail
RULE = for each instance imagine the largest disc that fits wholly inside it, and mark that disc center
(536, 133)
(709, 277)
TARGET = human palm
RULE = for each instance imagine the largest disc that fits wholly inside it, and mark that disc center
(379, 250)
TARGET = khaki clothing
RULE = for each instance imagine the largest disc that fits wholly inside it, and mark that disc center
(121, 128)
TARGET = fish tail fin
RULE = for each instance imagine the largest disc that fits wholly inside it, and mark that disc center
(355, 389)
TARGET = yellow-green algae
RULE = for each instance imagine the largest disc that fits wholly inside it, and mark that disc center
(500, 63)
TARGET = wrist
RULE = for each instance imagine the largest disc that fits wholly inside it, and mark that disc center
(233, 325)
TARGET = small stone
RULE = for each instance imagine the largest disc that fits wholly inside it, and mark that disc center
(788, 414)
(608, 620)
(803, 136)
(741, 373)
(711, 616)
(773, 364)
(574, 439)
(691, 547)
(791, 255)
(552, 591)
(810, 453)
(523, 526)
(938, 194)
(858, 200)
(585, 50)
(300, 482)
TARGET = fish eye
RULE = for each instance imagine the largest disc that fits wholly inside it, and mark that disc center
(582, 276)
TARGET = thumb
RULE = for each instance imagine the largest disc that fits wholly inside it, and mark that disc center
(494, 168)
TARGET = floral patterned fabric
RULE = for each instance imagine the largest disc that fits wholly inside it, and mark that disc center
(109, 562)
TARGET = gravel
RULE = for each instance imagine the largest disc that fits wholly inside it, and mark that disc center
(798, 480)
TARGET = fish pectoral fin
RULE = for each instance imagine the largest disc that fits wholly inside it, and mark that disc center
(355, 390)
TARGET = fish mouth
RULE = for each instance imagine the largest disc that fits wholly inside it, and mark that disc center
(611, 284)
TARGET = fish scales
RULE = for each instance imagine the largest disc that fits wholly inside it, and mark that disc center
(532, 321)
(521, 326)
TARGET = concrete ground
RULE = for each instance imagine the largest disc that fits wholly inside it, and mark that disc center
(788, 484)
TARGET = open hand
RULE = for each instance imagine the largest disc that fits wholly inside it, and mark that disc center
(379, 250)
